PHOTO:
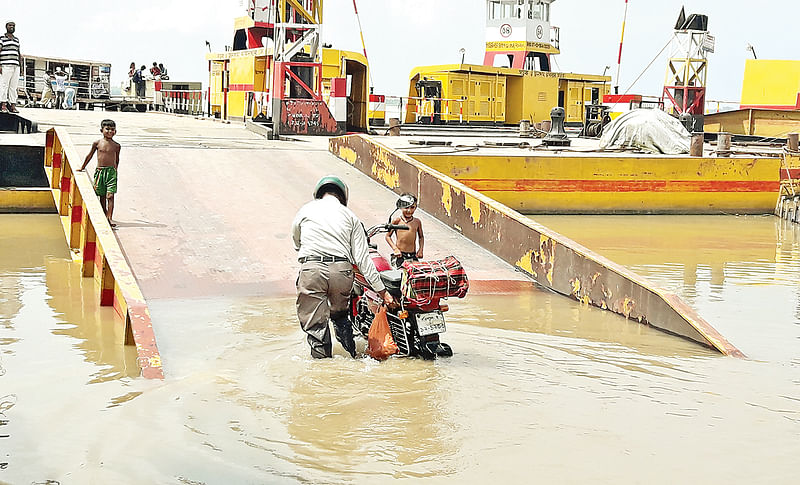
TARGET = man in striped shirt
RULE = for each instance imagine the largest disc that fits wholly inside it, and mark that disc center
(10, 62)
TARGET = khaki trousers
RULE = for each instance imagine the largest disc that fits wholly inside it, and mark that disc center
(323, 289)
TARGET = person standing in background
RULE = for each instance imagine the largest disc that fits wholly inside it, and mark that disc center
(10, 63)
(48, 95)
(61, 85)
(141, 83)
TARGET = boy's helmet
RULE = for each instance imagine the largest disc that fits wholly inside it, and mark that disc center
(406, 200)
(329, 182)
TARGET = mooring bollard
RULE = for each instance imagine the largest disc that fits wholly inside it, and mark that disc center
(696, 147)
(792, 142)
(557, 136)
(723, 144)
(525, 128)
(394, 126)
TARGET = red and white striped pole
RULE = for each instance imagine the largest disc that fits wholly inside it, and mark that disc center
(363, 44)
(621, 40)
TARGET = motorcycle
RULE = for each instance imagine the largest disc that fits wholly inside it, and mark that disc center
(415, 327)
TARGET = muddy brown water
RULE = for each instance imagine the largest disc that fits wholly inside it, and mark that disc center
(540, 389)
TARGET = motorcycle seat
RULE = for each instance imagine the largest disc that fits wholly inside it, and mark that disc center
(391, 279)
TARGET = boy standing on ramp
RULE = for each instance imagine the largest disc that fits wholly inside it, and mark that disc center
(105, 175)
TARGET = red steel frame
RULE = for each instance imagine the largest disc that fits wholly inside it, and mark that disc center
(697, 107)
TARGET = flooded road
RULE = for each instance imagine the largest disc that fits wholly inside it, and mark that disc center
(539, 389)
(741, 273)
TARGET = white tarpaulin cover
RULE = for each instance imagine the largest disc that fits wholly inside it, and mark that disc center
(650, 130)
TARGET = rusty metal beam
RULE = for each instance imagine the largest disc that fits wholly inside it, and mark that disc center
(551, 259)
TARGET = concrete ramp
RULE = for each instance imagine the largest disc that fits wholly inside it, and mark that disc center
(204, 209)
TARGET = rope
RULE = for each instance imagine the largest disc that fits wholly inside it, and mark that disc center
(649, 65)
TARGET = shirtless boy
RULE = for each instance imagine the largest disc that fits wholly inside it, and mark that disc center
(105, 175)
(405, 248)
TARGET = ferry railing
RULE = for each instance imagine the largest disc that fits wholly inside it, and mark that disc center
(187, 102)
(94, 245)
(448, 106)
(421, 106)
(715, 106)
(555, 36)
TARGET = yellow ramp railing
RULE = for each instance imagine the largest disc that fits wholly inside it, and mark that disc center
(93, 242)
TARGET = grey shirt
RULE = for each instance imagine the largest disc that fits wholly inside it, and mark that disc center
(324, 227)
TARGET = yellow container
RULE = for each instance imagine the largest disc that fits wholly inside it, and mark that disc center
(482, 94)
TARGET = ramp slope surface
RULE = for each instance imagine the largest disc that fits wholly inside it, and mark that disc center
(205, 208)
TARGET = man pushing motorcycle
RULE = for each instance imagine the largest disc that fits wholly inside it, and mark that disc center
(330, 239)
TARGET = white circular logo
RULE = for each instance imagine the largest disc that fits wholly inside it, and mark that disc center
(505, 30)
(539, 31)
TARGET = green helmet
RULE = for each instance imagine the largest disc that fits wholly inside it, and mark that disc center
(329, 182)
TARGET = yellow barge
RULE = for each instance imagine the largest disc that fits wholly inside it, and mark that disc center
(597, 183)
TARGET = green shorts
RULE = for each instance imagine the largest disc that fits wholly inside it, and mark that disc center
(105, 181)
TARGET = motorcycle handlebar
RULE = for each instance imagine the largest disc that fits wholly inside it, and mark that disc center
(385, 228)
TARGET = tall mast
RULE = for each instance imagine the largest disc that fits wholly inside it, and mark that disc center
(621, 40)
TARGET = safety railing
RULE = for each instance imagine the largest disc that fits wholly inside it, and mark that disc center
(92, 240)
(714, 106)
(186, 102)
(448, 108)
(423, 109)
(555, 37)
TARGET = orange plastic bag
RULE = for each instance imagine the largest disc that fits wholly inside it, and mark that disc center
(380, 342)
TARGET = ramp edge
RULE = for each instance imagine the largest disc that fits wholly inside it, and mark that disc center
(90, 236)
(552, 260)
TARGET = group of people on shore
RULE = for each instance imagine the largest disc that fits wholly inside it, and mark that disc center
(55, 87)
(139, 77)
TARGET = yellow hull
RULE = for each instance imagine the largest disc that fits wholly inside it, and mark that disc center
(26, 200)
(618, 184)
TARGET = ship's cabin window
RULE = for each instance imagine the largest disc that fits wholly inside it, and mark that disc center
(537, 61)
(520, 9)
(506, 9)
(495, 10)
(503, 60)
(539, 11)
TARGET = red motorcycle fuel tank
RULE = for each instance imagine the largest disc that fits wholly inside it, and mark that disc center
(379, 261)
(380, 264)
